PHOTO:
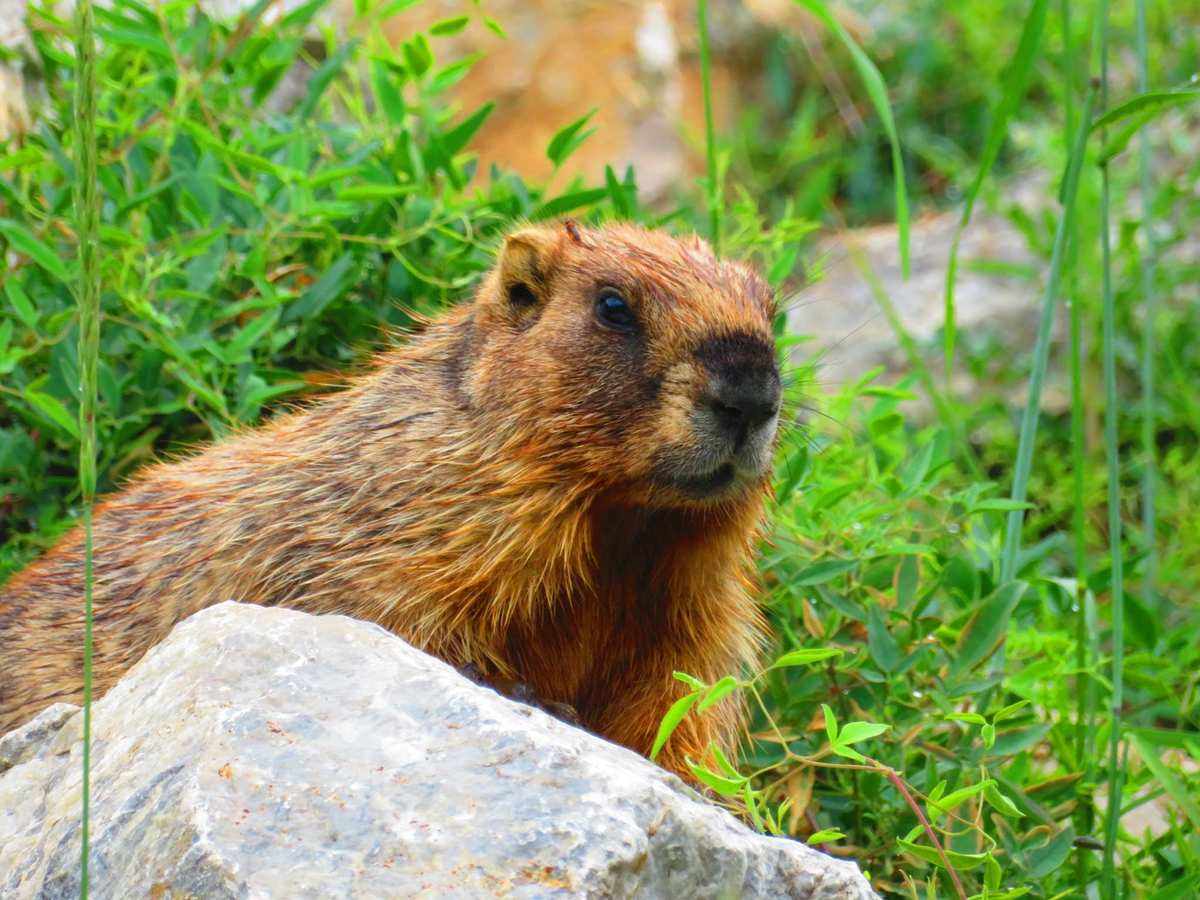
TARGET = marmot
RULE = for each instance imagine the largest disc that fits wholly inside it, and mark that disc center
(560, 482)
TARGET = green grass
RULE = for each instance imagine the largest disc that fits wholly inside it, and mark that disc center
(959, 601)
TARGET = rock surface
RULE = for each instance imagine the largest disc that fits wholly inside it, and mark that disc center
(844, 319)
(267, 753)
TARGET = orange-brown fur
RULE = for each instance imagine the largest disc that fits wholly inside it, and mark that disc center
(482, 492)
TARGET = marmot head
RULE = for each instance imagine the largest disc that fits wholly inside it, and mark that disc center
(632, 357)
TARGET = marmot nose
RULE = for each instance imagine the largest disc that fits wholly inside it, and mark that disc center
(745, 403)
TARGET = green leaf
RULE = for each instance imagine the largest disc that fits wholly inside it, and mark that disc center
(197, 386)
(907, 579)
(567, 139)
(568, 202)
(831, 727)
(53, 410)
(880, 643)
(22, 240)
(447, 27)
(395, 6)
(387, 93)
(806, 656)
(953, 800)
(998, 504)
(1186, 887)
(987, 627)
(452, 73)
(22, 158)
(723, 761)
(418, 55)
(617, 194)
(374, 191)
(1009, 711)
(460, 135)
(973, 718)
(848, 752)
(147, 195)
(726, 787)
(21, 303)
(246, 339)
(302, 15)
(137, 40)
(671, 720)
(877, 92)
(324, 290)
(324, 75)
(999, 802)
(690, 680)
(232, 154)
(1016, 84)
(993, 874)
(1138, 112)
(717, 692)
(826, 570)
(824, 836)
(751, 802)
(495, 27)
(853, 732)
(1050, 856)
(961, 861)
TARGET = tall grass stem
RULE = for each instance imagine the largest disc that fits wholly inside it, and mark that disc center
(1085, 694)
(1015, 82)
(1150, 301)
(715, 200)
(1112, 457)
(87, 216)
(1041, 352)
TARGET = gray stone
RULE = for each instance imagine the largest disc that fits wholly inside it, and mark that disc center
(267, 753)
(33, 739)
(850, 333)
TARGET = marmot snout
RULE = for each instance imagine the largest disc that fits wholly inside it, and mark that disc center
(560, 482)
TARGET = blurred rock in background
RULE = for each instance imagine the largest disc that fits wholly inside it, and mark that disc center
(636, 64)
(14, 115)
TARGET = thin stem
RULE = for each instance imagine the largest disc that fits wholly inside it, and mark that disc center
(1111, 412)
(898, 783)
(1150, 566)
(87, 214)
(1029, 419)
(1085, 694)
(710, 140)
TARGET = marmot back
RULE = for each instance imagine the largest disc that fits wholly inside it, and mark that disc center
(559, 482)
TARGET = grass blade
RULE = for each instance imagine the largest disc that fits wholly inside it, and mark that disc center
(87, 215)
(1029, 419)
(1149, 537)
(710, 140)
(877, 92)
(1171, 783)
(1138, 112)
(1016, 82)
(1112, 457)
(1085, 614)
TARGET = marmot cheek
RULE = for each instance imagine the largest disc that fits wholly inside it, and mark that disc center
(675, 425)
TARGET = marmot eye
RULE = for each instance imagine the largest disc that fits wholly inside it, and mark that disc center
(613, 311)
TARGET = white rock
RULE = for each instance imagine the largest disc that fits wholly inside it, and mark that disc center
(267, 753)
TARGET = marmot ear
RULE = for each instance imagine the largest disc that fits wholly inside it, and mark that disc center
(526, 262)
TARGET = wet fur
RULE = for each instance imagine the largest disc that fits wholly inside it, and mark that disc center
(487, 491)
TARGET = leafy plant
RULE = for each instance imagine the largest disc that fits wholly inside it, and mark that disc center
(253, 238)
